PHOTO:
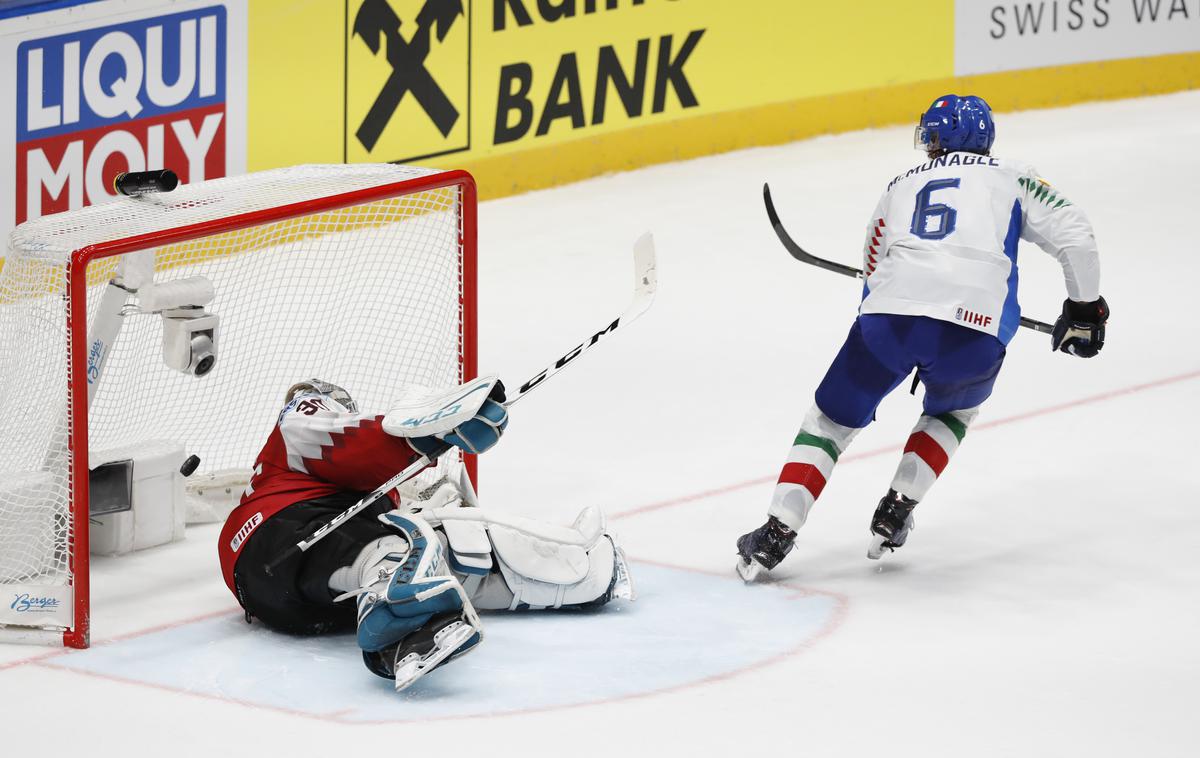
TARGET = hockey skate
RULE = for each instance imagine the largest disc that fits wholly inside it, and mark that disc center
(413, 616)
(763, 549)
(621, 587)
(442, 638)
(891, 524)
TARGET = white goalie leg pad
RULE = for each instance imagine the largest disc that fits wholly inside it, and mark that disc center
(585, 532)
(548, 575)
(540, 565)
(470, 550)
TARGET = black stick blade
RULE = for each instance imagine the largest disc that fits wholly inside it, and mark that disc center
(798, 252)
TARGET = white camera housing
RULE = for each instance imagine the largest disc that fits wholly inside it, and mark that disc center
(190, 340)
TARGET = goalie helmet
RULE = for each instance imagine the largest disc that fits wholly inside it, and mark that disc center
(326, 389)
(956, 123)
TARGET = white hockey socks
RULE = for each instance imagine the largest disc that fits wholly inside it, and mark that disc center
(929, 448)
(809, 465)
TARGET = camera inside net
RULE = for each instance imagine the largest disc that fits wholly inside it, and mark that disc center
(190, 340)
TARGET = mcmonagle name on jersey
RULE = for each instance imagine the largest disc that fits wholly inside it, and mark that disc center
(943, 242)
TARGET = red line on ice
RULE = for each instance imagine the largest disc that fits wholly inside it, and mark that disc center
(836, 617)
(705, 494)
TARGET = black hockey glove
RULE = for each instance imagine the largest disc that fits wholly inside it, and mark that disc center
(1080, 329)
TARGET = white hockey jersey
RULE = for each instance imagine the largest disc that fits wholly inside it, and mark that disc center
(943, 242)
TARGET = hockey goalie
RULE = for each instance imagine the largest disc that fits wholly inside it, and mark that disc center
(418, 564)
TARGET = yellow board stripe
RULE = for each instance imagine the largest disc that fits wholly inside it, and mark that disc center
(561, 163)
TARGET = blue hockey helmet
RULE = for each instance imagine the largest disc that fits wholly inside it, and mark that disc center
(956, 123)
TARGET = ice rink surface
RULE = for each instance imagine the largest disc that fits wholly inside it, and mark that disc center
(1047, 604)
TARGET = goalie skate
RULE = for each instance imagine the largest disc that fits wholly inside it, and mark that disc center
(435, 644)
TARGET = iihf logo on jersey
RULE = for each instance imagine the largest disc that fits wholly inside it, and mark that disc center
(140, 95)
(407, 72)
(971, 317)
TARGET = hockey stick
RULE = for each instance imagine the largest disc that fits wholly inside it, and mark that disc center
(645, 283)
(804, 256)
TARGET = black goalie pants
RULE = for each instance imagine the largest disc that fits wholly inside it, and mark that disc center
(296, 598)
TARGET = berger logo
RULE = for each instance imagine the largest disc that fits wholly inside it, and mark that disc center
(248, 527)
(407, 73)
(135, 96)
(95, 356)
(26, 603)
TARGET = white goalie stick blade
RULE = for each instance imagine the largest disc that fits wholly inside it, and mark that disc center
(645, 283)
(446, 642)
(438, 413)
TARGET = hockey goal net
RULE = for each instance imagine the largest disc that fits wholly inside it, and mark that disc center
(358, 275)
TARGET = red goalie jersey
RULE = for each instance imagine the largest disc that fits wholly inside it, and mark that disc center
(316, 449)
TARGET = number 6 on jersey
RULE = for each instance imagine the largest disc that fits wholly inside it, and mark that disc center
(933, 221)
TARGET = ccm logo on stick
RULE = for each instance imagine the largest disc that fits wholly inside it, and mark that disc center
(128, 97)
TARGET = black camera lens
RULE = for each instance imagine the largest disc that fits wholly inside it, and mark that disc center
(205, 365)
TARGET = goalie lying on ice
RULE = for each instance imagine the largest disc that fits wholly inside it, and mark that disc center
(420, 562)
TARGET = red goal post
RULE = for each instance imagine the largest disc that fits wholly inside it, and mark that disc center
(360, 275)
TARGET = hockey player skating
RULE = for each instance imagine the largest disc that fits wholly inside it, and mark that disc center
(420, 564)
(940, 296)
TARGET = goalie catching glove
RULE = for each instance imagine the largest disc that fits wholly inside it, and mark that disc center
(470, 417)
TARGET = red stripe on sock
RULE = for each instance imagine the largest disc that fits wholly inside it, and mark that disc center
(804, 474)
(928, 450)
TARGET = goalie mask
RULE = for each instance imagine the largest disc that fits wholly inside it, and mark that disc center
(327, 389)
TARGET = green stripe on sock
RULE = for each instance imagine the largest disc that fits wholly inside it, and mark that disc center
(812, 440)
(958, 428)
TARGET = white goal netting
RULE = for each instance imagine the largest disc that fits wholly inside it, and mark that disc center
(369, 296)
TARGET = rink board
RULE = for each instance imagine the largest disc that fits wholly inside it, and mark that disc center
(686, 628)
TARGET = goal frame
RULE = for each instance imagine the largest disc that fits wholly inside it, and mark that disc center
(79, 635)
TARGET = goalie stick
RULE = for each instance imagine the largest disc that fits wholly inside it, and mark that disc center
(644, 286)
(804, 256)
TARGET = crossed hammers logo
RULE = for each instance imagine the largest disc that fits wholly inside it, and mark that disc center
(375, 22)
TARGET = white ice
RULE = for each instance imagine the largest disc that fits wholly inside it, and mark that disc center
(1047, 604)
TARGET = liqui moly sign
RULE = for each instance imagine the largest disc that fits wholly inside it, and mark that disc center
(130, 96)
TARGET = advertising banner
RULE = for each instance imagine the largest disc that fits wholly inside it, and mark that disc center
(118, 86)
(525, 93)
(993, 36)
(453, 81)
